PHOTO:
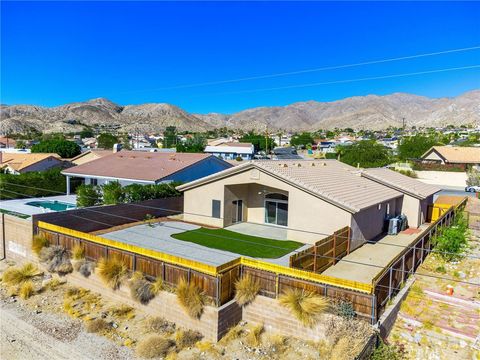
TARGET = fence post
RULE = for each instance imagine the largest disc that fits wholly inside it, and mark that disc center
(334, 248)
(403, 268)
(413, 260)
(374, 306)
(314, 257)
(390, 283)
(218, 290)
(134, 262)
(348, 240)
(277, 285)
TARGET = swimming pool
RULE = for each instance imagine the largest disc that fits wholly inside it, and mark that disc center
(52, 205)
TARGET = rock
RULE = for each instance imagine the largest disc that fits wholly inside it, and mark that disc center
(114, 325)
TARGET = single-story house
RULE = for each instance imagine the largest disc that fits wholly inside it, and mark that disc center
(455, 155)
(7, 143)
(138, 167)
(417, 196)
(286, 153)
(19, 163)
(231, 150)
(90, 155)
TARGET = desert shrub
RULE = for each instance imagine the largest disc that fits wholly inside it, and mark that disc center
(158, 286)
(38, 243)
(246, 289)
(122, 311)
(388, 352)
(26, 289)
(17, 276)
(54, 284)
(346, 348)
(57, 259)
(304, 305)
(112, 271)
(345, 309)
(277, 343)
(141, 290)
(234, 333)
(158, 324)
(86, 268)
(186, 338)
(78, 252)
(190, 298)
(153, 346)
(96, 326)
(253, 337)
(452, 241)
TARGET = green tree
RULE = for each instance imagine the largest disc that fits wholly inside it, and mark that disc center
(414, 147)
(112, 193)
(303, 139)
(64, 148)
(20, 144)
(192, 145)
(107, 140)
(260, 142)
(88, 195)
(170, 137)
(86, 133)
(367, 153)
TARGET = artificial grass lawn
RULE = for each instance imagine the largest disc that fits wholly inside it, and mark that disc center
(242, 244)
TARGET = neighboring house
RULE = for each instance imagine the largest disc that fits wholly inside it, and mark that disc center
(137, 167)
(89, 155)
(417, 196)
(231, 150)
(453, 155)
(7, 143)
(286, 153)
(310, 198)
(19, 163)
(326, 146)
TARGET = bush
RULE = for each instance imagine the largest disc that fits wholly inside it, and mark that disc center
(17, 276)
(345, 309)
(112, 193)
(158, 324)
(26, 289)
(38, 243)
(246, 289)
(304, 305)
(186, 338)
(253, 337)
(388, 352)
(153, 346)
(57, 259)
(87, 195)
(62, 147)
(158, 286)
(78, 252)
(112, 271)
(96, 326)
(452, 241)
(409, 173)
(190, 298)
(141, 290)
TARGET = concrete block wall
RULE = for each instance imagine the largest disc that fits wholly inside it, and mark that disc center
(16, 238)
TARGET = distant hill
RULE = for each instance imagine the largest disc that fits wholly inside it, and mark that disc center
(360, 112)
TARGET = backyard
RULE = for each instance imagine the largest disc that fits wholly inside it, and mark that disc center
(254, 246)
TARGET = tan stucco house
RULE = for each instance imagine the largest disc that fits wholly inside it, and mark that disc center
(453, 155)
(310, 198)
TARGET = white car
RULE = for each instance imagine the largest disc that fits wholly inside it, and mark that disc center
(473, 188)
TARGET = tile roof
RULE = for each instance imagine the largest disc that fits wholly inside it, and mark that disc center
(402, 183)
(95, 154)
(21, 161)
(457, 154)
(235, 144)
(137, 165)
(330, 180)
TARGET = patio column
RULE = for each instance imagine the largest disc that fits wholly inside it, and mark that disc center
(68, 185)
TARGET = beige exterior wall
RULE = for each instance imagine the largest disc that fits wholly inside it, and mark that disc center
(411, 208)
(434, 157)
(306, 213)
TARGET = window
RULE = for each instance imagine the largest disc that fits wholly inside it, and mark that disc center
(216, 208)
(276, 209)
(94, 182)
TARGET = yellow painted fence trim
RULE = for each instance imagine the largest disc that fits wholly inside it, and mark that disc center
(210, 269)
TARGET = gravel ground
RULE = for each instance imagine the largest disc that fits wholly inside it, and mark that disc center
(31, 334)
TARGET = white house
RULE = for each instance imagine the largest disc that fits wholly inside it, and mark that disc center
(231, 150)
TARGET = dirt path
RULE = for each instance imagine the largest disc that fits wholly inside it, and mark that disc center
(28, 335)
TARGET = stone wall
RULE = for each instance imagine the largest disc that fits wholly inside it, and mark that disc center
(16, 238)
(278, 319)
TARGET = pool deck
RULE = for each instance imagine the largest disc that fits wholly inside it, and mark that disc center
(20, 205)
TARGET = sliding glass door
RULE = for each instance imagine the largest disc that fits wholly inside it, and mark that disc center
(276, 209)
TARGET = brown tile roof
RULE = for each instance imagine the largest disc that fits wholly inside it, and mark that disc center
(137, 165)
(95, 154)
(402, 183)
(457, 154)
(330, 180)
(22, 161)
(6, 140)
(236, 144)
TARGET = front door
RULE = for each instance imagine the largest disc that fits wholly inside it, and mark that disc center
(237, 211)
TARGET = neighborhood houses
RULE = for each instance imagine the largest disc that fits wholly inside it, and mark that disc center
(19, 163)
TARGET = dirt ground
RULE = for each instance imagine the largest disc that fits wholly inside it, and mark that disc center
(51, 325)
(435, 325)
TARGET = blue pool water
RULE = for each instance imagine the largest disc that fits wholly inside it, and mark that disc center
(52, 205)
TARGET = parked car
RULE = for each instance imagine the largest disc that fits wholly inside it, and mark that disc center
(473, 188)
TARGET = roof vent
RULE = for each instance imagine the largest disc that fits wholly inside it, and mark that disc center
(312, 164)
(299, 165)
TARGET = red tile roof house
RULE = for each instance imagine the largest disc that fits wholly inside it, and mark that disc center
(134, 167)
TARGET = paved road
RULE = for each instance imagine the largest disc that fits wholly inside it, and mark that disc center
(455, 192)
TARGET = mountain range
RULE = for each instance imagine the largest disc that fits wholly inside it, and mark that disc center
(360, 112)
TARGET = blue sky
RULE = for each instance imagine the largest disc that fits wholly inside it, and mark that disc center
(54, 52)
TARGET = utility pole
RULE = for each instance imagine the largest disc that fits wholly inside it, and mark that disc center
(403, 123)
(266, 140)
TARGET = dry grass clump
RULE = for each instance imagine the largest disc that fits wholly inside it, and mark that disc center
(153, 346)
(304, 305)
(96, 326)
(112, 271)
(355, 331)
(78, 252)
(207, 347)
(253, 337)
(277, 344)
(158, 285)
(26, 289)
(122, 311)
(57, 259)
(54, 284)
(141, 290)
(38, 243)
(246, 289)
(346, 348)
(158, 324)
(190, 298)
(16, 276)
(233, 333)
(186, 338)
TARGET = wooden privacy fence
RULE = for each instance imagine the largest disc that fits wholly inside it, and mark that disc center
(323, 253)
(389, 282)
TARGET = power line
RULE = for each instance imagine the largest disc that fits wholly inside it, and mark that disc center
(266, 225)
(305, 71)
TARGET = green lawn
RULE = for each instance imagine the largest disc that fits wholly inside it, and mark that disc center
(253, 246)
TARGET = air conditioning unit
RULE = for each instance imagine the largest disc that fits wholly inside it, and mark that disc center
(393, 226)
